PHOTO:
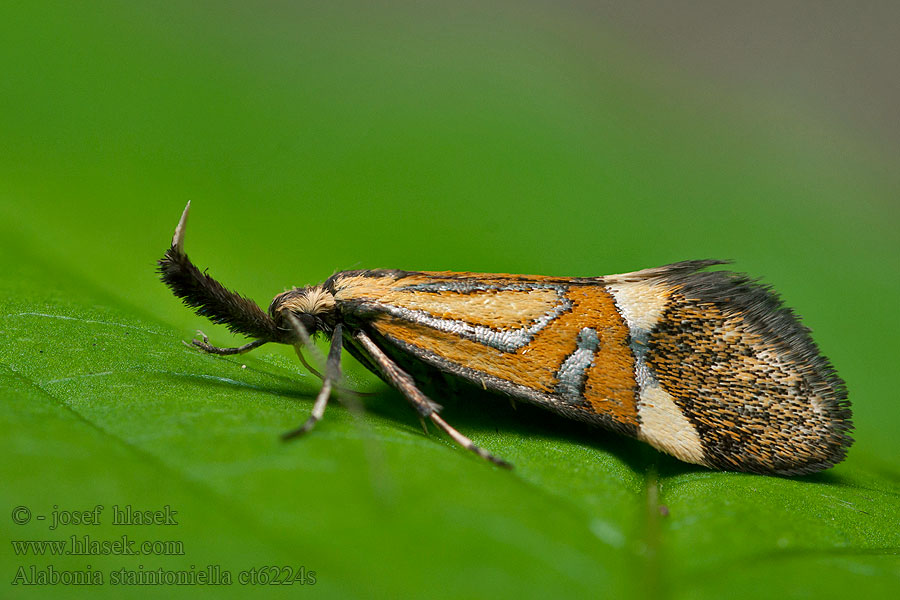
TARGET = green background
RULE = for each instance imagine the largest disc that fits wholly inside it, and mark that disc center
(497, 137)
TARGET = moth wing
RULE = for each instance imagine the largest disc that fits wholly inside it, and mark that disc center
(559, 343)
(707, 366)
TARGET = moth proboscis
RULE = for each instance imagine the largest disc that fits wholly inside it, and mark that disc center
(707, 366)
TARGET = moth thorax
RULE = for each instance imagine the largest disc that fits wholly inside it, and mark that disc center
(313, 306)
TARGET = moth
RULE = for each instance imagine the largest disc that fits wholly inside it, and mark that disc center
(707, 366)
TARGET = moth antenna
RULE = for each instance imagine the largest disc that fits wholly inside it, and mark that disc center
(208, 297)
(178, 238)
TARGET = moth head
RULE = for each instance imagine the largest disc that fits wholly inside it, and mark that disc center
(313, 307)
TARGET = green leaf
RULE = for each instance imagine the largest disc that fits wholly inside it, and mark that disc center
(347, 137)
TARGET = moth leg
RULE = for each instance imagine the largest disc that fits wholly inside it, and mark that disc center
(315, 372)
(207, 347)
(306, 364)
(467, 443)
(422, 403)
(332, 374)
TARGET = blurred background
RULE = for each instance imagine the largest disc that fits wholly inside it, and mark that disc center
(554, 138)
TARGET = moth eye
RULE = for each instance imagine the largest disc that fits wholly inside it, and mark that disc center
(309, 322)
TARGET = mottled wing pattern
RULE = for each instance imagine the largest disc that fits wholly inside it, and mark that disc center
(748, 377)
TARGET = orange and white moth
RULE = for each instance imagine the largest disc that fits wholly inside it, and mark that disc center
(707, 366)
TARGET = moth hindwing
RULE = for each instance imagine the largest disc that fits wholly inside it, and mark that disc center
(707, 366)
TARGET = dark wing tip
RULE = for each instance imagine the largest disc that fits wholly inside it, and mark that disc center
(780, 329)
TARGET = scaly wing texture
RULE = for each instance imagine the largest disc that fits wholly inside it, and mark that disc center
(707, 366)
(743, 371)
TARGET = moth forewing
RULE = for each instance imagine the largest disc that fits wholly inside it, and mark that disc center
(708, 366)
